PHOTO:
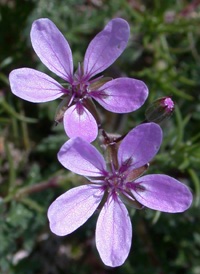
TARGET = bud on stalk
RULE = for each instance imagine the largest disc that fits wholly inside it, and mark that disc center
(160, 110)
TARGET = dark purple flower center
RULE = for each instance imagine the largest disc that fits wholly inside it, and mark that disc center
(114, 181)
(82, 87)
(121, 181)
(79, 87)
(79, 92)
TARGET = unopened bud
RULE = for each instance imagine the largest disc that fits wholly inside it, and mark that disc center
(160, 110)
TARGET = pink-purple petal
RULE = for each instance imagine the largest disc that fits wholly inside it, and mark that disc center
(79, 122)
(113, 233)
(106, 47)
(82, 158)
(162, 192)
(52, 48)
(34, 86)
(122, 95)
(140, 145)
(72, 209)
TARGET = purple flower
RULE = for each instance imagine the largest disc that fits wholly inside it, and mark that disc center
(119, 95)
(115, 184)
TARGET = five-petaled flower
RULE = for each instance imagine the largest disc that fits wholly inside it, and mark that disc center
(120, 95)
(114, 183)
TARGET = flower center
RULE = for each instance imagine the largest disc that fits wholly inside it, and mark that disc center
(114, 181)
(79, 92)
(79, 87)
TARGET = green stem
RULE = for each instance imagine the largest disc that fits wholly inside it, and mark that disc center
(12, 112)
(196, 181)
(32, 204)
(179, 127)
(12, 173)
(24, 131)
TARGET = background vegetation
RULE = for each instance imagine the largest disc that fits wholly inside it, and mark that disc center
(163, 51)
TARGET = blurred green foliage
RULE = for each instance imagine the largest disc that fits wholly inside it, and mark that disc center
(163, 51)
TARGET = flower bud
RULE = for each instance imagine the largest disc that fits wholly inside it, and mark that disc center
(160, 110)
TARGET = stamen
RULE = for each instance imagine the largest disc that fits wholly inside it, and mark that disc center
(71, 99)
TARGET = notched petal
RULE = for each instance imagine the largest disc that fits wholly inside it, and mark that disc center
(122, 95)
(113, 233)
(72, 209)
(106, 47)
(140, 145)
(52, 48)
(162, 192)
(34, 86)
(82, 158)
(79, 122)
